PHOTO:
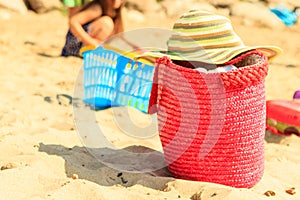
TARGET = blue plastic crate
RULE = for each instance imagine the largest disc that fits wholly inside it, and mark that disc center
(111, 79)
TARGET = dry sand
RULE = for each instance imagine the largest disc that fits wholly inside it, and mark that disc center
(41, 151)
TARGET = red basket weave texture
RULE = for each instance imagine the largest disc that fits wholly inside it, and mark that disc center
(212, 125)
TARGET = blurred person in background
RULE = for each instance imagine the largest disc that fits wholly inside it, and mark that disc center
(92, 24)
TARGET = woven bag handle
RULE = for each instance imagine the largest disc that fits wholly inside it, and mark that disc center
(248, 75)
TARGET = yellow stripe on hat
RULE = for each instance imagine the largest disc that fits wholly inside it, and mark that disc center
(204, 35)
(198, 16)
(202, 29)
(211, 42)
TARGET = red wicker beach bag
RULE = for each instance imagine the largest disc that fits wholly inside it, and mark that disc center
(212, 125)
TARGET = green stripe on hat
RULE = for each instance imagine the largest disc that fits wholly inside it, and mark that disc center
(199, 48)
(198, 25)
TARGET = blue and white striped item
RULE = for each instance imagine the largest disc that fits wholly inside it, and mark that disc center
(111, 79)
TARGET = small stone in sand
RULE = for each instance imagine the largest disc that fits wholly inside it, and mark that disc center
(75, 176)
(8, 166)
(269, 193)
(291, 191)
(119, 174)
(197, 196)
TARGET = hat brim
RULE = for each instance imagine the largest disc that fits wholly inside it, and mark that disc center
(217, 56)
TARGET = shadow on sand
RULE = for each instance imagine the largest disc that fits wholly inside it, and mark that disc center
(273, 138)
(106, 166)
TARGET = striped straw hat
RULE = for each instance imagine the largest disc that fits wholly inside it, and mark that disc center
(206, 37)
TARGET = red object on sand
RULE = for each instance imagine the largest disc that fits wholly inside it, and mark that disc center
(212, 125)
(283, 116)
(285, 111)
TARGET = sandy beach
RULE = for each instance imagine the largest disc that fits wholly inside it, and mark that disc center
(44, 157)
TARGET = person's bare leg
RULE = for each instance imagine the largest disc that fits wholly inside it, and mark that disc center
(101, 28)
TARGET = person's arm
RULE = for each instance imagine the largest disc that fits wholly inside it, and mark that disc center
(81, 18)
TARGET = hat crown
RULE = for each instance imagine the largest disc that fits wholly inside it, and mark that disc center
(207, 37)
(196, 31)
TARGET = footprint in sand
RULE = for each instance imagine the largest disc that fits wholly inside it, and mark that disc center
(7, 117)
